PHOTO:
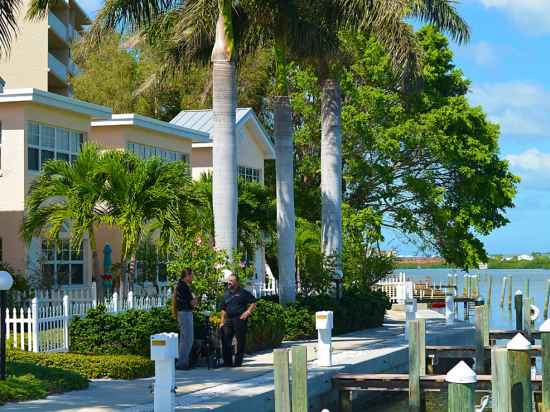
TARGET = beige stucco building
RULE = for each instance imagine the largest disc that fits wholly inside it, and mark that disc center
(40, 57)
(36, 126)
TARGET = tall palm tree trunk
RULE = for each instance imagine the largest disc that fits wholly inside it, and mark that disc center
(224, 179)
(331, 172)
(286, 219)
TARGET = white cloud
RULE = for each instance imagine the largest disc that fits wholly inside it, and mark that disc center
(533, 166)
(531, 15)
(521, 108)
(482, 53)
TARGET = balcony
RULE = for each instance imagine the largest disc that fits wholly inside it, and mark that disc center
(58, 27)
(57, 68)
(74, 35)
(73, 68)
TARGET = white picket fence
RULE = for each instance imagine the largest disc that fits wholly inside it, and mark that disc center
(43, 325)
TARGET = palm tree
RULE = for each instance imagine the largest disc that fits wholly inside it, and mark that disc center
(68, 194)
(138, 193)
(8, 23)
(384, 19)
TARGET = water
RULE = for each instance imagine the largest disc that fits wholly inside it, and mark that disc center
(501, 318)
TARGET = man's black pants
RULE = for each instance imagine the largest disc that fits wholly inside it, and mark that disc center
(233, 327)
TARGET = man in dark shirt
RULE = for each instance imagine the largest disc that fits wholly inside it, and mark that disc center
(184, 302)
(237, 306)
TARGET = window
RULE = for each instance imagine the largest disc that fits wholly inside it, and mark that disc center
(48, 142)
(62, 265)
(250, 174)
(145, 152)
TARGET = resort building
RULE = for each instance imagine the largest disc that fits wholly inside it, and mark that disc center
(40, 57)
(253, 149)
(36, 126)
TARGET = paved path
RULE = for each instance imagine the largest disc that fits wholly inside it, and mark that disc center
(109, 395)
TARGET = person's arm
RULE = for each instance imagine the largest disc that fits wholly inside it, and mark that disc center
(222, 319)
(251, 306)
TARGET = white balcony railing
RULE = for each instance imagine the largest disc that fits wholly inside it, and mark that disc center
(57, 68)
(57, 26)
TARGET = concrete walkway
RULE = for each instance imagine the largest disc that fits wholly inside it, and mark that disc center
(202, 389)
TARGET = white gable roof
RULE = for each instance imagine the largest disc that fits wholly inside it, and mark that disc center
(203, 121)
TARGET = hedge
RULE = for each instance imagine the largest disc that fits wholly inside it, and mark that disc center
(128, 332)
(27, 381)
(89, 366)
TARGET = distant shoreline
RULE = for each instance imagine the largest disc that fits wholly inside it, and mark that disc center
(491, 265)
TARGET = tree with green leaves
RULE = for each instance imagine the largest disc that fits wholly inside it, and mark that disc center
(68, 194)
(425, 165)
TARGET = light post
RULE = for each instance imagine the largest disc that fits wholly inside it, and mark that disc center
(6, 281)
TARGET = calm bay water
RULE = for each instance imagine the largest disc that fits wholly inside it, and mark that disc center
(501, 318)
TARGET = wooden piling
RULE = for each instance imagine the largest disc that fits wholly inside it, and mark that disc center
(489, 289)
(526, 288)
(510, 292)
(299, 379)
(502, 292)
(519, 368)
(500, 380)
(461, 391)
(545, 338)
(481, 336)
(526, 315)
(546, 299)
(415, 392)
(282, 385)
(518, 306)
(422, 346)
(345, 401)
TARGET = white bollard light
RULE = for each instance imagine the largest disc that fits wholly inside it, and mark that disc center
(449, 308)
(164, 350)
(324, 325)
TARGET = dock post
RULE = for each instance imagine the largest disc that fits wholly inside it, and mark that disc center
(519, 367)
(518, 306)
(462, 382)
(526, 288)
(299, 379)
(449, 308)
(490, 289)
(502, 292)
(344, 399)
(526, 315)
(415, 371)
(282, 385)
(482, 336)
(500, 380)
(545, 338)
(546, 299)
(510, 292)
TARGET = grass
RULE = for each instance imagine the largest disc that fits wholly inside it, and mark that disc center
(27, 381)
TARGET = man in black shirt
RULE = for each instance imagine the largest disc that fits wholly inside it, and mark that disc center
(184, 302)
(237, 306)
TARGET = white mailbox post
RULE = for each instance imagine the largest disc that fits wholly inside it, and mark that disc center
(324, 324)
(410, 312)
(164, 350)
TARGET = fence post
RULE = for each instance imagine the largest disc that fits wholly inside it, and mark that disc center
(94, 294)
(299, 379)
(519, 366)
(545, 337)
(130, 300)
(518, 306)
(500, 380)
(66, 319)
(282, 387)
(115, 302)
(462, 382)
(35, 327)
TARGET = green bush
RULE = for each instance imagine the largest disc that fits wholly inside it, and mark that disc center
(299, 323)
(266, 327)
(89, 366)
(26, 380)
(122, 333)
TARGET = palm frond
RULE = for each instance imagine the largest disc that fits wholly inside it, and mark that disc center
(8, 23)
(443, 15)
(38, 9)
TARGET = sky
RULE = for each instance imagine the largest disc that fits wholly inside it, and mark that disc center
(508, 63)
